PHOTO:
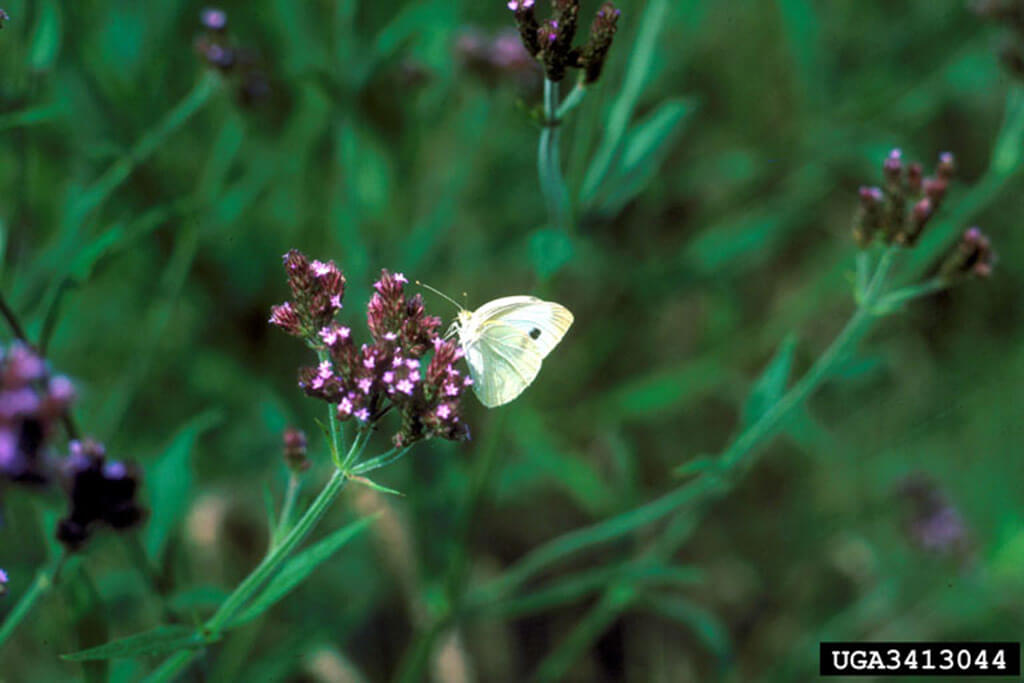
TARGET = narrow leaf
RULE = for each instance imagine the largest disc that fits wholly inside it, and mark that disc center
(170, 487)
(771, 385)
(300, 567)
(160, 640)
(708, 628)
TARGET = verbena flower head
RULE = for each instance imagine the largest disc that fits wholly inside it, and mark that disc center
(100, 492)
(407, 368)
(551, 41)
(32, 402)
(899, 211)
(318, 289)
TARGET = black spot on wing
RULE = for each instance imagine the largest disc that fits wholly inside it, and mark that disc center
(534, 333)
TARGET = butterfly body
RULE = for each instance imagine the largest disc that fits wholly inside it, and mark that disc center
(505, 342)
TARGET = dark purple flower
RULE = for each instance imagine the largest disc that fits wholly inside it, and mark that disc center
(100, 491)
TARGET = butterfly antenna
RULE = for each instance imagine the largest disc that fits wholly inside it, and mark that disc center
(440, 293)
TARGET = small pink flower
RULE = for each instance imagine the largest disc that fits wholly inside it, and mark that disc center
(405, 386)
(364, 384)
(443, 411)
(362, 414)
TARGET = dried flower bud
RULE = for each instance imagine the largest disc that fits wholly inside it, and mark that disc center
(526, 21)
(602, 32)
(946, 166)
(213, 19)
(100, 491)
(915, 176)
(869, 216)
(919, 217)
(972, 256)
(295, 450)
(892, 168)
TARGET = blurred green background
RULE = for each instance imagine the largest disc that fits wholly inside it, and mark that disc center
(147, 205)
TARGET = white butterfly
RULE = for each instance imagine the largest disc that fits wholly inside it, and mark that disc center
(505, 341)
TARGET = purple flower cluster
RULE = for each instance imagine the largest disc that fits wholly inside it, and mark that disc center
(973, 255)
(551, 41)
(884, 210)
(318, 289)
(100, 491)
(218, 51)
(367, 381)
(31, 404)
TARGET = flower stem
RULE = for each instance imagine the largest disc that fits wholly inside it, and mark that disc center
(552, 183)
(709, 484)
(12, 320)
(44, 580)
(572, 100)
(221, 619)
(287, 506)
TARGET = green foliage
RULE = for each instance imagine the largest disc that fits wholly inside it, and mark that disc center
(605, 526)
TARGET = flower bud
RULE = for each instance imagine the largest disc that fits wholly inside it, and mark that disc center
(972, 256)
(869, 216)
(602, 32)
(3, 574)
(4, 16)
(915, 176)
(526, 21)
(295, 450)
(892, 168)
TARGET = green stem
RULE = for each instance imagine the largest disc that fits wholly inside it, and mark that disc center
(707, 485)
(290, 495)
(572, 100)
(43, 582)
(231, 606)
(12, 320)
(552, 184)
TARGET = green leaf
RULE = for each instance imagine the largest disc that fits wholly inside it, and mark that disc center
(160, 640)
(170, 484)
(642, 63)
(299, 568)
(46, 37)
(708, 628)
(771, 385)
(644, 150)
(550, 250)
(369, 483)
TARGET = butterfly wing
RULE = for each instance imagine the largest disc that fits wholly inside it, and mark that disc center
(506, 341)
